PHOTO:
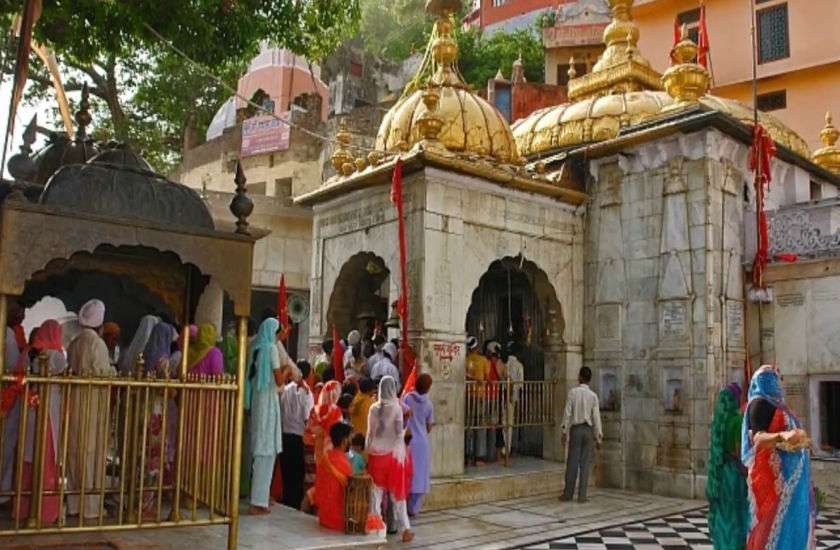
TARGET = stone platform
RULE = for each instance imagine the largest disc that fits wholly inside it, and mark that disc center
(283, 529)
(525, 477)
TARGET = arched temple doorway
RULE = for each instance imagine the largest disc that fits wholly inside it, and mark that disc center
(360, 296)
(516, 303)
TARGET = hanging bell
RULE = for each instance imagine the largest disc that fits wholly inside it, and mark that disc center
(394, 320)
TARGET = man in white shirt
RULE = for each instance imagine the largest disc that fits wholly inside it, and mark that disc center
(515, 371)
(354, 339)
(582, 424)
(296, 401)
(386, 366)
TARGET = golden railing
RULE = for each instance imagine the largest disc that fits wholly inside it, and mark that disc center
(131, 452)
(507, 405)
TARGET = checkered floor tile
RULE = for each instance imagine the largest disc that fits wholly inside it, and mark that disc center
(684, 531)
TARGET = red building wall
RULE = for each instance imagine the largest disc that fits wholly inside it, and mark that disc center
(528, 97)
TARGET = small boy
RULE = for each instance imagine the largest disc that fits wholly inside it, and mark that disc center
(344, 404)
(332, 479)
(356, 454)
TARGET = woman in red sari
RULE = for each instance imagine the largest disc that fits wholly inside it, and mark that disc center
(333, 470)
(47, 341)
(325, 414)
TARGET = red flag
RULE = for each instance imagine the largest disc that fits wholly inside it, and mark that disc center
(31, 13)
(410, 382)
(402, 301)
(337, 356)
(761, 154)
(283, 310)
(703, 39)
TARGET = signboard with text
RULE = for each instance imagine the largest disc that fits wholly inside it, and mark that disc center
(563, 36)
(265, 134)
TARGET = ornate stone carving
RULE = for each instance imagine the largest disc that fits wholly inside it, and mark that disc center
(793, 231)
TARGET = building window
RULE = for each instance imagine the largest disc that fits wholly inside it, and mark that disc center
(691, 20)
(772, 101)
(829, 413)
(773, 39)
(497, 3)
(816, 191)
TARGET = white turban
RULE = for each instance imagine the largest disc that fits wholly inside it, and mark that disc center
(354, 337)
(391, 350)
(92, 314)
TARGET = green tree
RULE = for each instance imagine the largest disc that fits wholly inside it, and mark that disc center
(481, 57)
(394, 30)
(400, 28)
(109, 44)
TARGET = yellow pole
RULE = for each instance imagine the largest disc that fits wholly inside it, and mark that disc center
(40, 435)
(239, 415)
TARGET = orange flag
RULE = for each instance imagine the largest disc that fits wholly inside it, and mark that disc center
(703, 39)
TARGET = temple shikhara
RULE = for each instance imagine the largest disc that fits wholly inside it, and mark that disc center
(622, 219)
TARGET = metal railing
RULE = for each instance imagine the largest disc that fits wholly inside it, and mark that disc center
(125, 452)
(506, 405)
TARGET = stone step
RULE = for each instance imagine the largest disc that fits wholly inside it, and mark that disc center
(525, 477)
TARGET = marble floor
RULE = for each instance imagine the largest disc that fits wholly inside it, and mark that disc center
(283, 529)
(533, 520)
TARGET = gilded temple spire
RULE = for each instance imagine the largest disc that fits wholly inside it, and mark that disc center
(828, 156)
(622, 67)
(686, 80)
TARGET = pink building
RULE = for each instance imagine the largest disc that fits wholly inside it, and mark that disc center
(798, 52)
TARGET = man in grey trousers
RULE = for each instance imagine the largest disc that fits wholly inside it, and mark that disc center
(582, 425)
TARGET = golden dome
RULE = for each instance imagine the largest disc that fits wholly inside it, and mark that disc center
(443, 111)
(620, 92)
(602, 118)
(828, 156)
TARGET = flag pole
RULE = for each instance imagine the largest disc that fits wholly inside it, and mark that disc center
(754, 38)
(711, 68)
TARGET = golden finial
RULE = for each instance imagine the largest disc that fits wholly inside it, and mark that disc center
(375, 158)
(429, 123)
(621, 67)
(341, 156)
(829, 133)
(685, 81)
(828, 156)
(572, 72)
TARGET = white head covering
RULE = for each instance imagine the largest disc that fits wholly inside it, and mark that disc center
(354, 337)
(472, 343)
(385, 422)
(391, 350)
(92, 314)
(138, 343)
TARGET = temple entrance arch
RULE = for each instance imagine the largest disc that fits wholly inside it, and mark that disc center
(515, 303)
(360, 296)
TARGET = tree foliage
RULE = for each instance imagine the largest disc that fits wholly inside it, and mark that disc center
(151, 94)
(400, 28)
(394, 30)
(481, 57)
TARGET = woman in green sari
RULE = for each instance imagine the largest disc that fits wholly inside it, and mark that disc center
(726, 486)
